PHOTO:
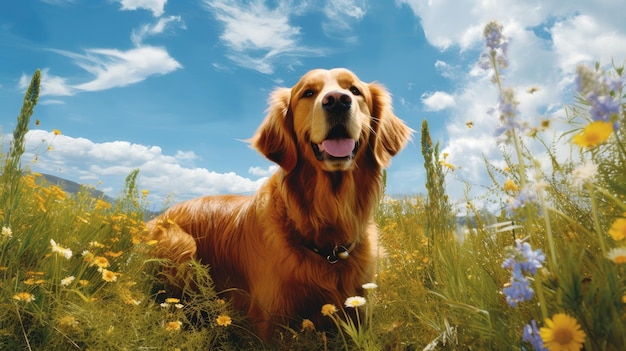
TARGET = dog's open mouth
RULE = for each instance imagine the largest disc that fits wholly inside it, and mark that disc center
(337, 145)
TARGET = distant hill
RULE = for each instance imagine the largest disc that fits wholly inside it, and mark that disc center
(73, 188)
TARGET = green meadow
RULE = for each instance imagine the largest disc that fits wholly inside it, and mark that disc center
(545, 272)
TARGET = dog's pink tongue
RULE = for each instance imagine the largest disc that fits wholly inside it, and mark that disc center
(338, 147)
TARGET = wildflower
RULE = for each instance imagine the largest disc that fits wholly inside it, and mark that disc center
(531, 335)
(328, 309)
(507, 110)
(114, 254)
(307, 325)
(617, 255)
(7, 232)
(33, 281)
(583, 173)
(521, 259)
(96, 244)
(179, 305)
(67, 253)
(447, 165)
(24, 296)
(370, 286)
(224, 320)
(68, 324)
(108, 276)
(599, 90)
(354, 301)
(517, 290)
(102, 205)
(497, 46)
(526, 196)
(509, 185)
(100, 261)
(56, 132)
(618, 229)
(595, 133)
(562, 332)
(67, 280)
(173, 326)
(172, 300)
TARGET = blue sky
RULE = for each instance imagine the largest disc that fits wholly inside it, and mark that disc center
(171, 88)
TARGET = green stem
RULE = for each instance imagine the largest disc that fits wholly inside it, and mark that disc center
(596, 219)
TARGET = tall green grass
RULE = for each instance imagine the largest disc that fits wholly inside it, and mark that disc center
(76, 274)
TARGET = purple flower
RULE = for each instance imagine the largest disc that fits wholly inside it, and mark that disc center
(602, 107)
(531, 335)
(497, 46)
(521, 259)
(526, 196)
(601, 92)
(493, 36)
(518, 290)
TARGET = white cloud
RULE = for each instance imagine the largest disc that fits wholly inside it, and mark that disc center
(112, 68)
(258, 36)
(437, 101)
(340, 14)
(83, 160)
(585, 38)
(263, 172)
(156, 6)
(138, 35)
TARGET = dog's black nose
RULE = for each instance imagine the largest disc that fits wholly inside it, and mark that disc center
(336, 102)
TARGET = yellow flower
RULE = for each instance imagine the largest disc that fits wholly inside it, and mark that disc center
(618, 255)
(56, 132)
(114, 254)
(173, 326)
(618, 229)
(307, 325)
(101, 262)
(108, 276)
(24, 296)
(102, 205)
(68, 324)
(224, 320)
(595, 133)
(328, 309)
(172, 300)
(562, 333)
(510, 185)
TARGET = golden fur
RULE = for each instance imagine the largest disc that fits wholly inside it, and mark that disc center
(264, 244)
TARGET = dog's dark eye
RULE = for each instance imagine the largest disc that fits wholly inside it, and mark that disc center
(308, 93)
(354, 90)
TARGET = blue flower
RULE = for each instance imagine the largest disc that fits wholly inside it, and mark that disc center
(526, 196)
(531, 335)
(518, 290)
(497, 47)
(521, 259)
(601, 92)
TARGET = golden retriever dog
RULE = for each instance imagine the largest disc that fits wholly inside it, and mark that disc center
(307, 237)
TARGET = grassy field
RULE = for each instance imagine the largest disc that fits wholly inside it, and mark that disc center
(545, 272)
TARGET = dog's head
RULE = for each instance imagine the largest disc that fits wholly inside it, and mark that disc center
(330, 118)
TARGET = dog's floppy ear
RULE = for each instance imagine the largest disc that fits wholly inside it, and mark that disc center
(275, 138)
(390, 134)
